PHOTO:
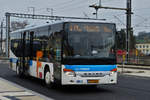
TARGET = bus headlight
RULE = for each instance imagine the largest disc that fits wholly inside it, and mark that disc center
(113, 71)
(69, 72)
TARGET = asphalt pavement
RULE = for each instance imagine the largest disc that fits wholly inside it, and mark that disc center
(128, 88)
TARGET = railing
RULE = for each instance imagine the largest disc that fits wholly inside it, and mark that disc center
(139, 60)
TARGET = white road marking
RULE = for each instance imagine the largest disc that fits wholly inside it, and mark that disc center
(4, 95)
(16, 94)
(27, 91)
(3, 98)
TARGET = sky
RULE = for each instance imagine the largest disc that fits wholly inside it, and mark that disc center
(80, 8)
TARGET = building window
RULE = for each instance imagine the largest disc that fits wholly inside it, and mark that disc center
(147, 51)
(143, 46)
(140, 46)
(147, 46)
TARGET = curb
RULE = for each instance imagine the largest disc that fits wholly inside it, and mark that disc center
(134, 72)
(4, 58)
(134, 67)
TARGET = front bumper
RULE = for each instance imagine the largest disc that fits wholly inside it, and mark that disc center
(78, 79)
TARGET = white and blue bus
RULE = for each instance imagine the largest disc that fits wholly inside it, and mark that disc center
(68, 53)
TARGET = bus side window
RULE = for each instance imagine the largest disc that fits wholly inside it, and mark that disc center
(51, 48)
(36, 47)
(55, 46)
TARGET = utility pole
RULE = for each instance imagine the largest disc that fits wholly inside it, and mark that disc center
(7, 34)
(128, 24)
(33, 9)
(1, 34)
(50, 10)
(96, 9)
(1, 44)
(129, 12)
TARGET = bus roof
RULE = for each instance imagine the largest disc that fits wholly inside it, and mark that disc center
(56, 22)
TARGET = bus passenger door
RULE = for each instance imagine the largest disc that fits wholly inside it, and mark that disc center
(22, 65)
(31, 34)
(32, 67)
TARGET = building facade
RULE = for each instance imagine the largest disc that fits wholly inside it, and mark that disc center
(144, 48)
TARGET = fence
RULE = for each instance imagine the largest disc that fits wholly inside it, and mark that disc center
(138, 59)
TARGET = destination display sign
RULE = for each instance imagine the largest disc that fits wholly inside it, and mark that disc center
(79, 27)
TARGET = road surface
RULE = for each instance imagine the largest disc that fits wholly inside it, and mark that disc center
(128, 88)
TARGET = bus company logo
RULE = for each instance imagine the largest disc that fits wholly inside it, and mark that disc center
(82, 69)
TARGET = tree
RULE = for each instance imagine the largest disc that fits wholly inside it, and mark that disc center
(132, 40)
(121, 39)
(143, 37)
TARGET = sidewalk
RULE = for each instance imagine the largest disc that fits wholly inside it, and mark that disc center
(134, 67)
(11, 91)
(4, 60)
(135, 72)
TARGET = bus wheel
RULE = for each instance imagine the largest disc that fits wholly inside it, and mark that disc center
(47, 77)
(18, 71)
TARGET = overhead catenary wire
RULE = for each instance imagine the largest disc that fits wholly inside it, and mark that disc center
(72, 4)
(140, 9)
(142, 22)
(72, 8)
(66, 4)
(61, 3)
(54, 6)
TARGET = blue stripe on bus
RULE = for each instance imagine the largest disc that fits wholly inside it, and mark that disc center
(30, 63)
(13, 60)
(90, 67)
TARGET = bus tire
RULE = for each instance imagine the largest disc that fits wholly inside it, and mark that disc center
(18, 71)
(47, 77)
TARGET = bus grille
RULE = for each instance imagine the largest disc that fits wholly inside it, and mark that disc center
(93, 74)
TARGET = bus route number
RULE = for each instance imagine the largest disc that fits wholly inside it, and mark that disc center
(84, 28)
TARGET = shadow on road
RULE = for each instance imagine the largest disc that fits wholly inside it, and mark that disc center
(59, 92)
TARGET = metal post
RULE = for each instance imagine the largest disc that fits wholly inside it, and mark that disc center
(50, 10)
(96, 13)
(7, 33)
(99, 2)
(1, 44)
(33, 9)
(128, 28)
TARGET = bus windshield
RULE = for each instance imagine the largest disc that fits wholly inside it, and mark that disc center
(89, 41)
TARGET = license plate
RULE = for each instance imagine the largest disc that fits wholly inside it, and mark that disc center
(93, 81)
